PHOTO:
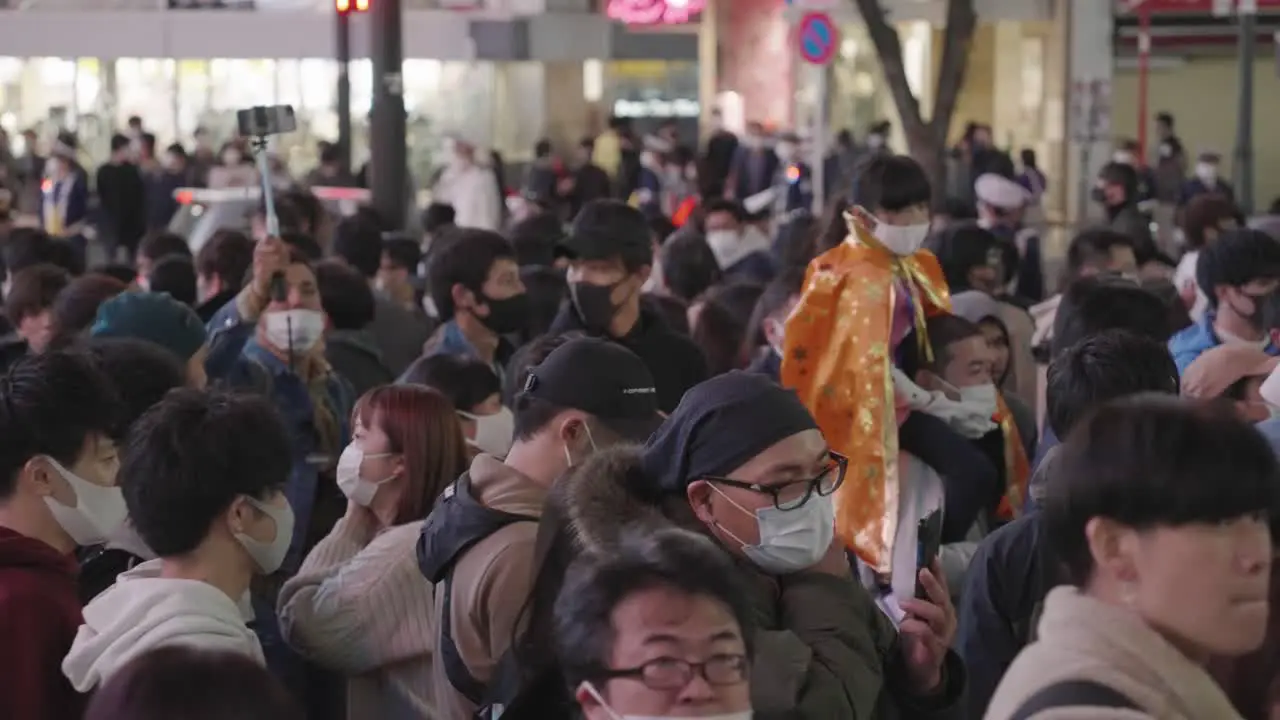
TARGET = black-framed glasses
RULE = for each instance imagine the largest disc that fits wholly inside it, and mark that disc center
(667, 673)
(794, 494)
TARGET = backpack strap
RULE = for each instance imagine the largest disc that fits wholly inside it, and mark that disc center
(508, 677)
(474, 523)
(1073, 693)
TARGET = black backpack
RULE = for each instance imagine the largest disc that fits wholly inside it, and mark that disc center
(456, 524)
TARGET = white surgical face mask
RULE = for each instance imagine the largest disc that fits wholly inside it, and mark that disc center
(298, 330)
(786, 151)
(357, 489)
(790, 540)
(1122, 157)
(231, 158)
(983, 399)
(591, 688)
(902, 240)
(727, 246)
(493, 432)
(99, 510)
(269, 556)
(1207, 172)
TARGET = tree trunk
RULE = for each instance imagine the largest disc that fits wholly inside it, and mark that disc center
(926, 139)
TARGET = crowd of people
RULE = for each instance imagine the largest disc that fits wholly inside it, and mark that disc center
(597, 463)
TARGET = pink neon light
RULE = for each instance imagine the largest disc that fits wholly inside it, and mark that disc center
(655, 12)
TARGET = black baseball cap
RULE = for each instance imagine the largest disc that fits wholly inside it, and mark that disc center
(603, 379)
(606, 229)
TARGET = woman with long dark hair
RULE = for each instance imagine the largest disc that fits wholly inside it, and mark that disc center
(359, 605)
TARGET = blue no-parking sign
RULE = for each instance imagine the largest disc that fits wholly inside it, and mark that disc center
(817, 38)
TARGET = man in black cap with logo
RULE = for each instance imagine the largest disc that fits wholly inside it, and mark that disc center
(611, 254)
(478, 544)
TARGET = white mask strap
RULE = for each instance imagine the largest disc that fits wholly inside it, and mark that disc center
(591, 688)
(731, 501)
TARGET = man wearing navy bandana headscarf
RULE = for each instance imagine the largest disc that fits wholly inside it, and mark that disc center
(743, 461)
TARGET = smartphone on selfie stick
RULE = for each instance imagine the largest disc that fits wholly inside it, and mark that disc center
(258, 123)
(928, 544)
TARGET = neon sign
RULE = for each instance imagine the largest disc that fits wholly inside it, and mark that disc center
(655, 12)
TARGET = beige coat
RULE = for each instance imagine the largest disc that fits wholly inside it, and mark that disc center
(359, 607)
(1080, 638)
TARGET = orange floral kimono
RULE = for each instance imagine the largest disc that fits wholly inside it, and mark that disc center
(838, 358)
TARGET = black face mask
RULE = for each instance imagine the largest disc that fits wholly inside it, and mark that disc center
(507, 315)
(1098, 195)
(1253, 318)
(594, 305)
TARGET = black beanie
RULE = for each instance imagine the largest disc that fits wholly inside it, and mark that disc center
(720, 425)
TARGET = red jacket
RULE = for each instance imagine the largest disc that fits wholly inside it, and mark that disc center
(39, 616)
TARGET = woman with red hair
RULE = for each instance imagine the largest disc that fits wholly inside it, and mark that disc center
(359, 605)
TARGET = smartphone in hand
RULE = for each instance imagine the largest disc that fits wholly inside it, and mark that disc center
(928, 543)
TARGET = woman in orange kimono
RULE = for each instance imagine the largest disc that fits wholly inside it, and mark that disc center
(860, 301)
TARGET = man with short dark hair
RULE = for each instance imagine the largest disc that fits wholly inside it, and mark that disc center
(350, 345)
(397, 332)
(478, 297)
(58, 466)
(1010, 575)
(204, 482)
(612, 256)
(398, 273)
(478, 543)
(1116, 190)
(1207, 180)
(221, 267)
(742, 250)
(122, 199)
(623, 617)
(1237, 274)
(29, 305)
(1095, 251)
(175, 275)
(156, 246)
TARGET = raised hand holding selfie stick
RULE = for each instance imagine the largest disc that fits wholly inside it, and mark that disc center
(257, 124)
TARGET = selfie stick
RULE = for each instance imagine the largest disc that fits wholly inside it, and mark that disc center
(279, 291)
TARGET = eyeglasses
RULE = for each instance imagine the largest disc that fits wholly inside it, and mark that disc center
(673, 674)
(792, 495)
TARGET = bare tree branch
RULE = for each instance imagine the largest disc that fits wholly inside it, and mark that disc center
(962, 21)
(889, 49)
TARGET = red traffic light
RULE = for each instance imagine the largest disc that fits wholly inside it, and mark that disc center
(348, 6)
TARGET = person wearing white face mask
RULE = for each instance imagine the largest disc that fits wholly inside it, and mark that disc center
(958, 387)
(1207, 180)
(58, 467)
(358, 605)
(679, 631)
(741, 248)
(841, 341)
(204, 478)
(478, 545)
(282, 359)
(476, 393)
(743, 462)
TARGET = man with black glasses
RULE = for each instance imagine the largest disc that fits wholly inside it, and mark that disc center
(659, 629)
(742, 461)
